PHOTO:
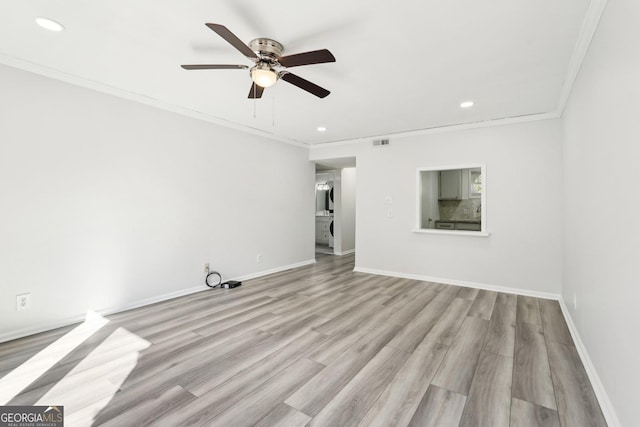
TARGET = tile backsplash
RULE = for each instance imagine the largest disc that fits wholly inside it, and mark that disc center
(465, 209)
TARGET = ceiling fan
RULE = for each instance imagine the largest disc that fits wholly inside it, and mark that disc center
(269, 64)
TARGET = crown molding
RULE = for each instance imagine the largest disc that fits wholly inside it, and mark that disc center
(136, 97)
(444, 129)
(580, 49)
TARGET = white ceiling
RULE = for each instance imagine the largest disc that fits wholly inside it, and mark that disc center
(401, 66)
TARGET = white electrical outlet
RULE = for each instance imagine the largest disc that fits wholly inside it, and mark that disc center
(575, 302)
(206, 267)
(259, 257)
(23, 302)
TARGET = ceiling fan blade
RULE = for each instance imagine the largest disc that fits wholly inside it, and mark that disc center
(233, 40)
(306, 58)
(305, 85)
(214, 67)
(255, 91)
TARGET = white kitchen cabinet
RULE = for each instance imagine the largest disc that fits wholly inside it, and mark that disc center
(450, 184)
(322, 229)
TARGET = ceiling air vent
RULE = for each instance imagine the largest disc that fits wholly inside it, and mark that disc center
(380, 142)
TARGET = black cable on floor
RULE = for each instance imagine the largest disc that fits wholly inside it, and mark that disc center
(206, 280)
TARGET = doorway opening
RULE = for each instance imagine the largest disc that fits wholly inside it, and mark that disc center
(335, 194)
(325, 212)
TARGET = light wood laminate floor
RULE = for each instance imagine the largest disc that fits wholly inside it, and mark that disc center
(319, 345)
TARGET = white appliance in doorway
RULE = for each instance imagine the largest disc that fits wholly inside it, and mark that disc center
(331, 233)
(330, 196)
(331, 213)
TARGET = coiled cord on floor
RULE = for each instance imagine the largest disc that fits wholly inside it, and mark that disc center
(213, 273)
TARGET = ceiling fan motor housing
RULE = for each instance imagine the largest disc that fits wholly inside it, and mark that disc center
(267, 47)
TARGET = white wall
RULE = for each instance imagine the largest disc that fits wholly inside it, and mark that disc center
(602, 209)
(105, 202)
(347, 209)
(524, 181)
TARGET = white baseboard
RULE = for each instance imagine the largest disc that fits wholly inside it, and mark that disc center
(347, 252)
(275, 270)
(446, 281)
(601, 393)
(31, 330)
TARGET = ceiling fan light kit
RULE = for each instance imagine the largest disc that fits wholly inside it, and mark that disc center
(263, 76)
(270, 65)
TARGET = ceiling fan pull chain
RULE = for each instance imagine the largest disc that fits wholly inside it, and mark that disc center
(254, 101)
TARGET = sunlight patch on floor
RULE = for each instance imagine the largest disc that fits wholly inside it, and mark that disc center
(19, 378)
(92, 383)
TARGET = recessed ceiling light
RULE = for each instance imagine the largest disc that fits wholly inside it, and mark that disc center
(466, 104)
(49, 24)
(321, 129)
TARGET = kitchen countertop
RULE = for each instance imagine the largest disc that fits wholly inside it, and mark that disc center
(467, 221)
